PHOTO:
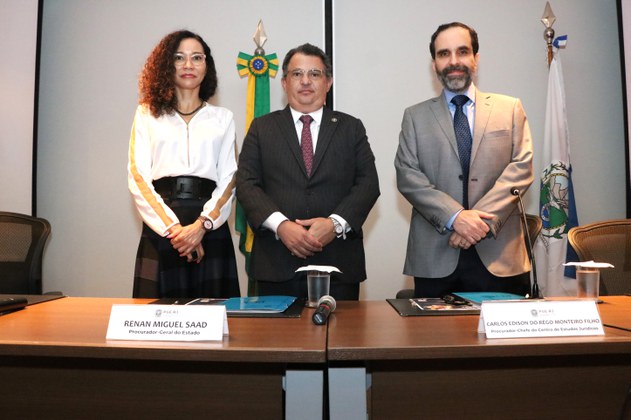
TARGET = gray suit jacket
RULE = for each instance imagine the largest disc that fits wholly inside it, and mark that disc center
(272, 177)
(429, 177)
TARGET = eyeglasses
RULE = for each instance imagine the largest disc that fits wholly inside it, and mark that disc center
(197, 59)
(313, 74)
(454, 300)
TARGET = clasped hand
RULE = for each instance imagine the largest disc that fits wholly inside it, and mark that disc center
(303, 238)
(187, 241)
(469, 228)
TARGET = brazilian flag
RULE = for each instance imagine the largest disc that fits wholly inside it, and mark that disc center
(258, 69)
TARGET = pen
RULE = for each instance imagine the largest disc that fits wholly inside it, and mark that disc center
(415, 303)
(194, 300)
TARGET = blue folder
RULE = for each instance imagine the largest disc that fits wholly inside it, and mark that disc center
(479, 297)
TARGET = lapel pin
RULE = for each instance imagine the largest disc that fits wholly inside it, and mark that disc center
(334, 119)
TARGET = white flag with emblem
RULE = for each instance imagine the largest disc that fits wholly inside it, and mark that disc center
(556, 199)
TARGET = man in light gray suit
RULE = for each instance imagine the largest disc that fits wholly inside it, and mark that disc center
(459, 156)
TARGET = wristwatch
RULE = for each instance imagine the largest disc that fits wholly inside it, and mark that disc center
(337, 227)
(207, 223)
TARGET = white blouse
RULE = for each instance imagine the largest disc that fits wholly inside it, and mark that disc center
(168, 146)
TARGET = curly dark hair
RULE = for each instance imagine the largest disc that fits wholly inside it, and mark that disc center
(156, 85)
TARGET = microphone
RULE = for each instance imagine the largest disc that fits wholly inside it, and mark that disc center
(534, 288)
(326, 305)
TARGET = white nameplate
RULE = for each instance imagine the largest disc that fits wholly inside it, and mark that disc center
(167, 322)
(540, 318)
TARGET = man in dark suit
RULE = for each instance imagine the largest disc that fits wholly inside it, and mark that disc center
(307, 181)
(458, 173)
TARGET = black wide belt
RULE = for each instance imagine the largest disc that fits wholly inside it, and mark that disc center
(184, 187)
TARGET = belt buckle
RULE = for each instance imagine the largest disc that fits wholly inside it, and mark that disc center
(184, 188)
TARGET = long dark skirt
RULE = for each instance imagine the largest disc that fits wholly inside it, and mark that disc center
(161, 272)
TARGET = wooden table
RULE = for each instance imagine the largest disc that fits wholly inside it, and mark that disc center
(56, 363)
(440, 367)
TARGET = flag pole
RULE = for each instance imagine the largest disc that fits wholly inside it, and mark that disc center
(548, 19)
(258, 68)
(557, 207)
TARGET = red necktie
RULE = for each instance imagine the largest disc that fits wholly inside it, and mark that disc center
(306, 143)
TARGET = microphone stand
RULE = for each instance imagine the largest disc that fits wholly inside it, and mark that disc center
(534, 288)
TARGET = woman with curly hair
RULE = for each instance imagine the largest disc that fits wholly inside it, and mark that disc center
(182, 160)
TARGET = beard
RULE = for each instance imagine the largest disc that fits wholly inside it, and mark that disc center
(455, 84)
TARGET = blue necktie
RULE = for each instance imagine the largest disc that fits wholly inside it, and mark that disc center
(463, 137)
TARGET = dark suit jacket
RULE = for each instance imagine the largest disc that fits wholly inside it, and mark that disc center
(272, 177)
